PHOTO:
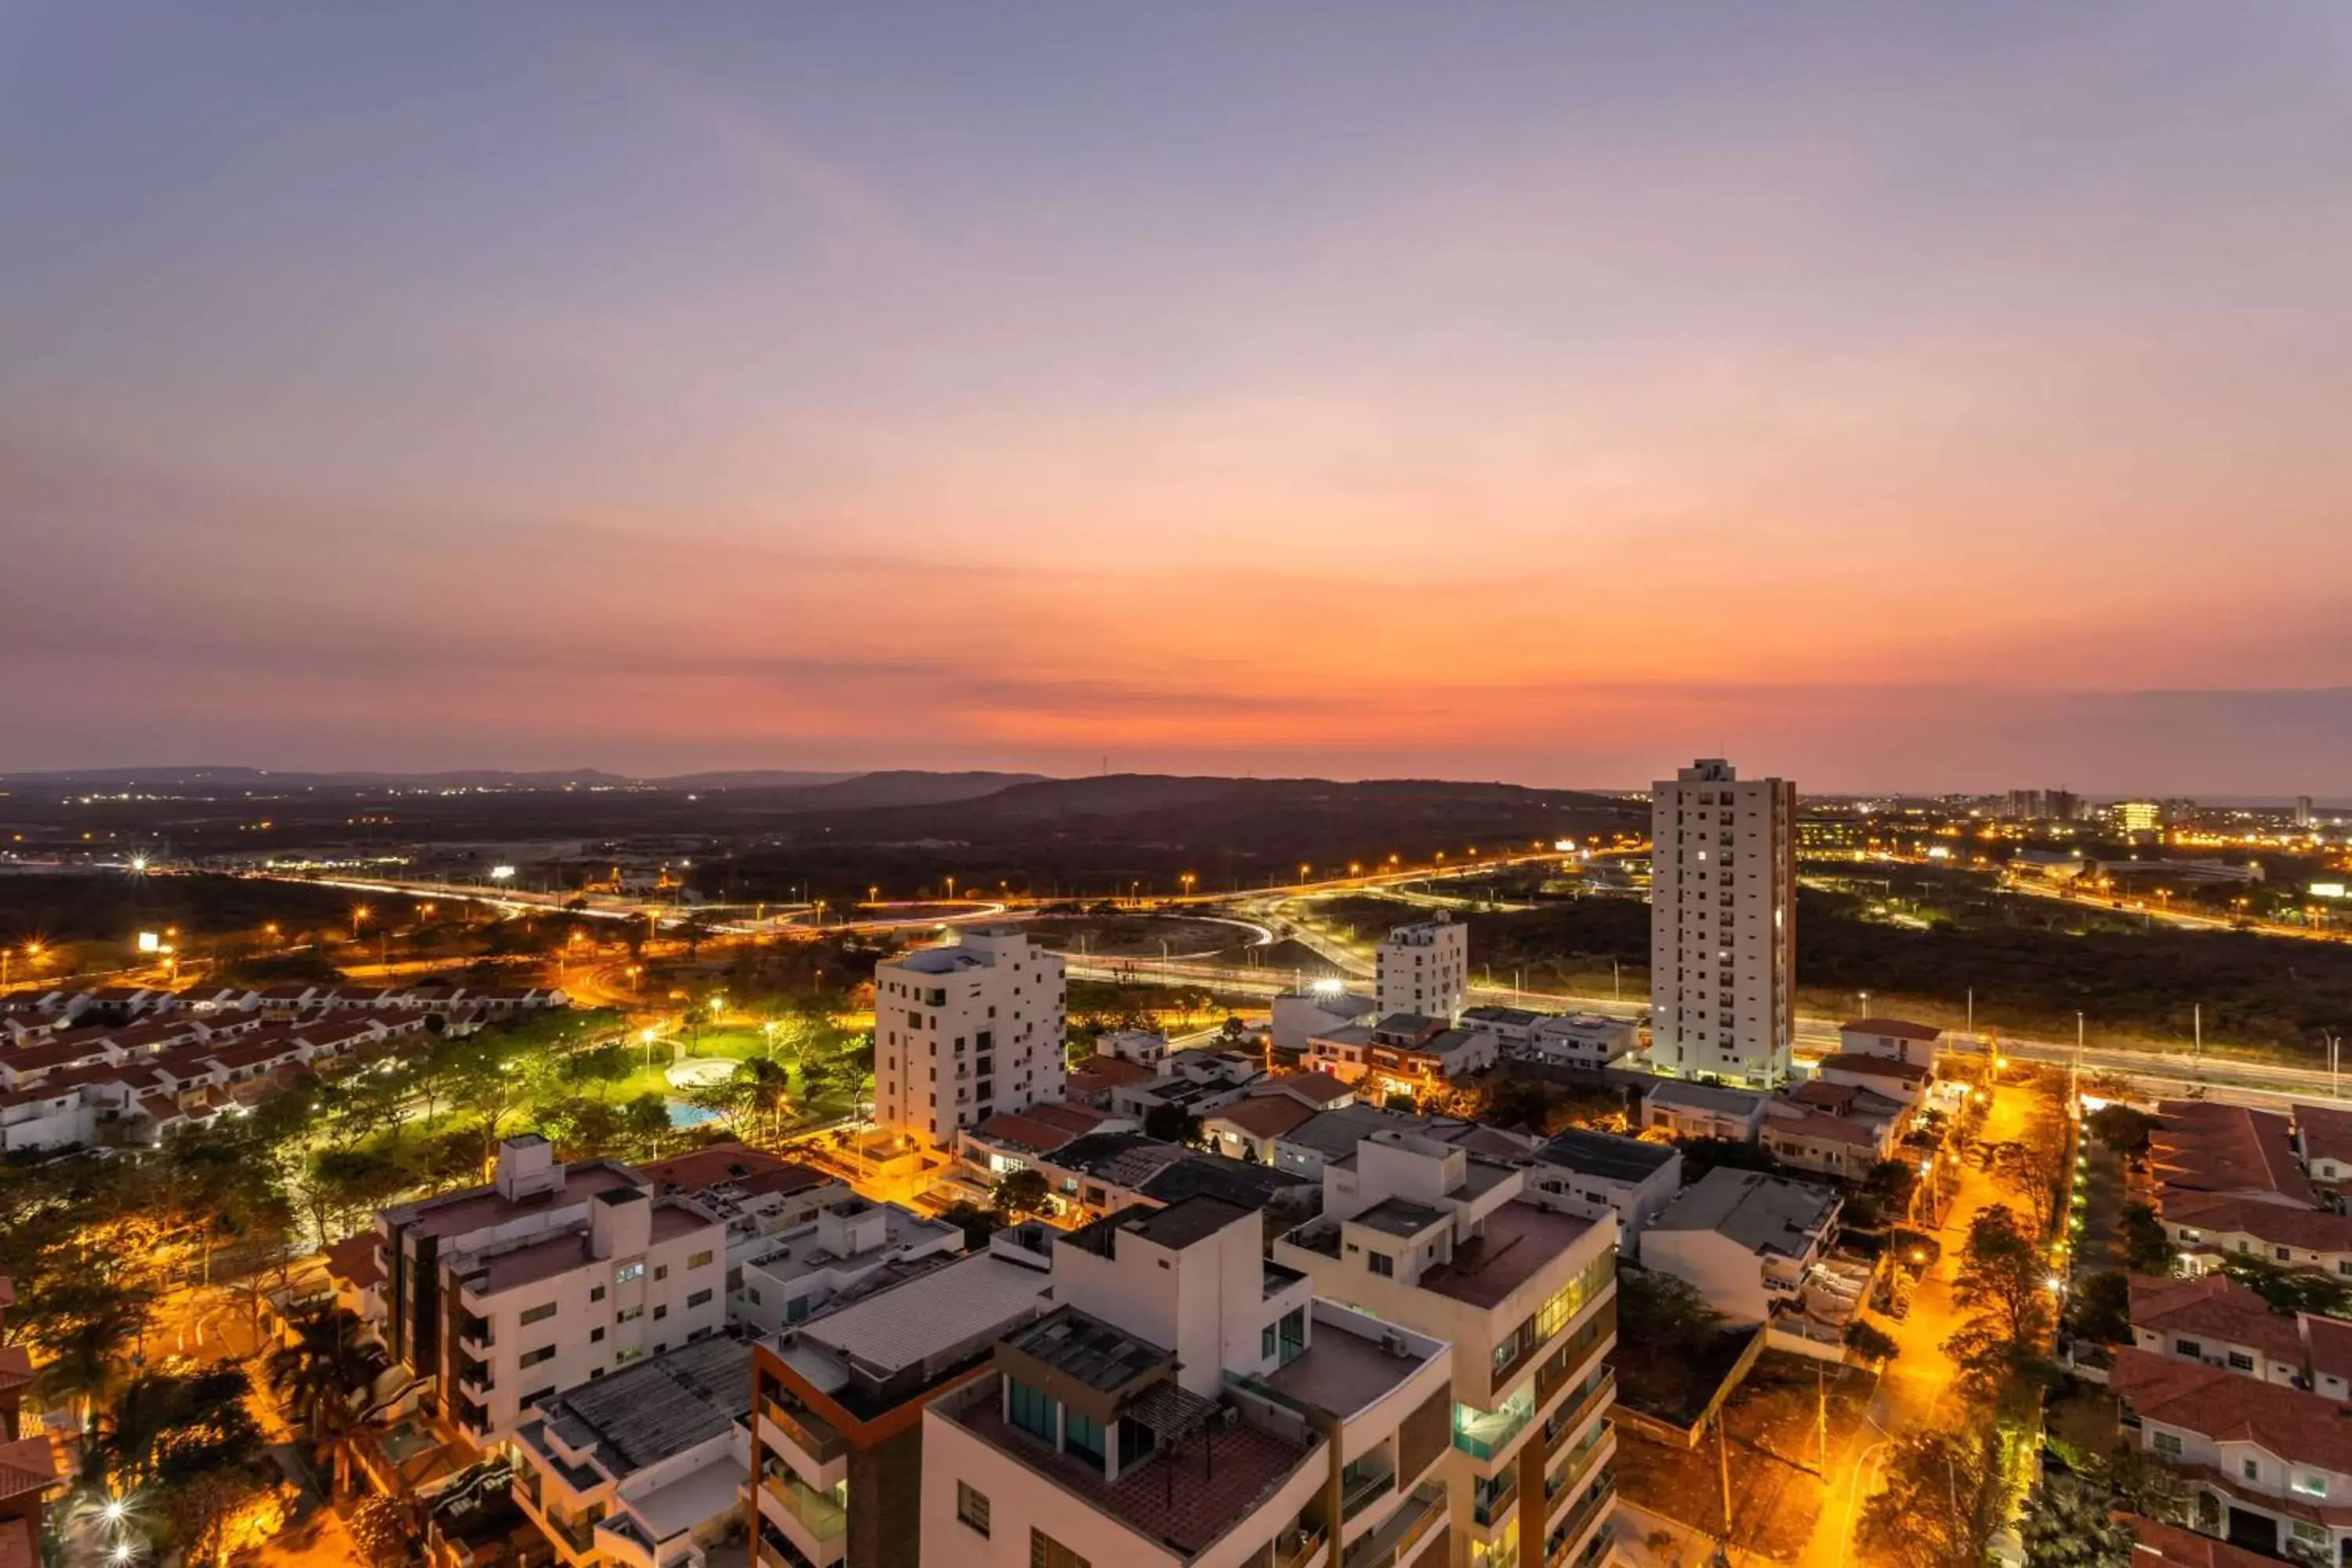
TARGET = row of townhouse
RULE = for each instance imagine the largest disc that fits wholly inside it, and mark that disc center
(1590, 1041)
(2268, 1466)
(32, 1015)
(1854, 1111)
(1403, 1053)
(139, 1084)
(2215, 1321)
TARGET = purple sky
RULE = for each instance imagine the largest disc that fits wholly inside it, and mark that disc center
(1889, 396)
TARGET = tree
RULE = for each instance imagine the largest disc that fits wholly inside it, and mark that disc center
(2145, 1485)
(978, 1224)
(328, 1362)
(1023, 1192)
(379, 1531)
(2121, 1128)
(765, 1088)
(2287, 1291)
(347, 1181)
(2034, 1169)
(193, 1439)
(1171, 1124)
(2067, 1525)
(1943, 1501)
(1871, 1342)
(1701, 1155)
(2003, 1274)
(583, 1129)
(2101, 1308)
(646, 1122)
(2148, 1249)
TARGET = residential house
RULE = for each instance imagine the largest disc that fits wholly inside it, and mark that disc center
(1589, 1174)
(1685, 1110)
(2207, 1228)
(1300, 1016)
(2268, 1466)
(1890, 1077)
(2204, 1147)
(1897, 1039)
(2215, 1321)
(1744, 1240)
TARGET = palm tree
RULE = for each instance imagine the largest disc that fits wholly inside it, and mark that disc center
(766, 1089)
(325, 1363)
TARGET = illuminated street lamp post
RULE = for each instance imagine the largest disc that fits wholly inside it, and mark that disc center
(358, 918)
(1188, 879)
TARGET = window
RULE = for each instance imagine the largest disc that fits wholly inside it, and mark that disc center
(628, 1273)
(2193, 1349)
(2241, 1361)
(1083, 1436)
(533, 1358)
(596, 1292)
(661, 1311)
(2284, 1254)
(699, 1298)
(595, 1336)
(1044, 1552)
(626, 1354)
(2252, 1469)
(661, 1273)
(1032, 1412)
(2309, 1485)
(1265, 1343)
(1381, 1264)
(628, 1314)
(972, 1508)
(699, 1260)
(2166, 1444)
(538, 1314)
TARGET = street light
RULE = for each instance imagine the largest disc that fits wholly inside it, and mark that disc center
(359, 917)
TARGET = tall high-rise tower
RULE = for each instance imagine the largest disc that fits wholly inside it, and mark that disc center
(1723, 919)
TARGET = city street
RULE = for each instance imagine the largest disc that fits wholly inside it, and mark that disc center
(1914, 1390)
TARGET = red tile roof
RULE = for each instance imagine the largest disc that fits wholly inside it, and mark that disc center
(2327, 1133)
(1320, 1088)
(2329, 1341)
(26, 1465)
(753, 1170)
(2221, 1405)
(2172, 1546)
(354, 1260)
(2217, 1307)
(1109, 1072)
(2275, 1223)
(1267, 1116)
(2206, 1147)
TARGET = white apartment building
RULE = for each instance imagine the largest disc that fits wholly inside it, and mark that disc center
(1185, 1401)
(550, 1276)
(1424, 968)
(1424, 1234)
(1592, 1174)
(797, 1271)
(1723, 917)
(964, 1031)
(1745, 1241)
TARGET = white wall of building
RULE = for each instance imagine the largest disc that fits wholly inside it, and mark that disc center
(1424, 968)
(1722, 925)
(965, 1031)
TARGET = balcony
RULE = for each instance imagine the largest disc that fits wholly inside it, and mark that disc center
(1395, 1536)
(1483, 1434)
(1364, 1483)
(815, 1511)
(1559, 1546)
(1490, 1503)
(1300, 1545)
(810, 1432)
(1579, 1407)
(1580, 1462)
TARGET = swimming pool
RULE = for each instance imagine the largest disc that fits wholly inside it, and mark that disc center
(682, 1115)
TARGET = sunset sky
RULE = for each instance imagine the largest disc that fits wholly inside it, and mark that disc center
(1884, 395)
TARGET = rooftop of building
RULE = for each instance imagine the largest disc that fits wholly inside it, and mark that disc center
(2329, 1343)
(658, 1408)
(942, 1306)
(2161, 1545)
(1321, 1087)
(1606, 1155)
(1334, 1134)
(1399, 1217)
(1118, 1159)
(569, 1247)
(1179, 1226)
(2301, 1428)
(1513, 1017)
(1265, 1115)
(2326, 1132)
(1763, 1214)
(2281, 1224)
(1101, 1073)
(2214, 1306)
(1240, 1181)
(1041, 1129)
(939, 961)
(1343, 1372)
(1178, 1496)
(477, 1208)
(1877, 1067)
(2209, 1147)
(1088, 1350)
(1520, 1241)
(790, 1254)
(739, 1165)
(1891, 1028)
(1701, 1096)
